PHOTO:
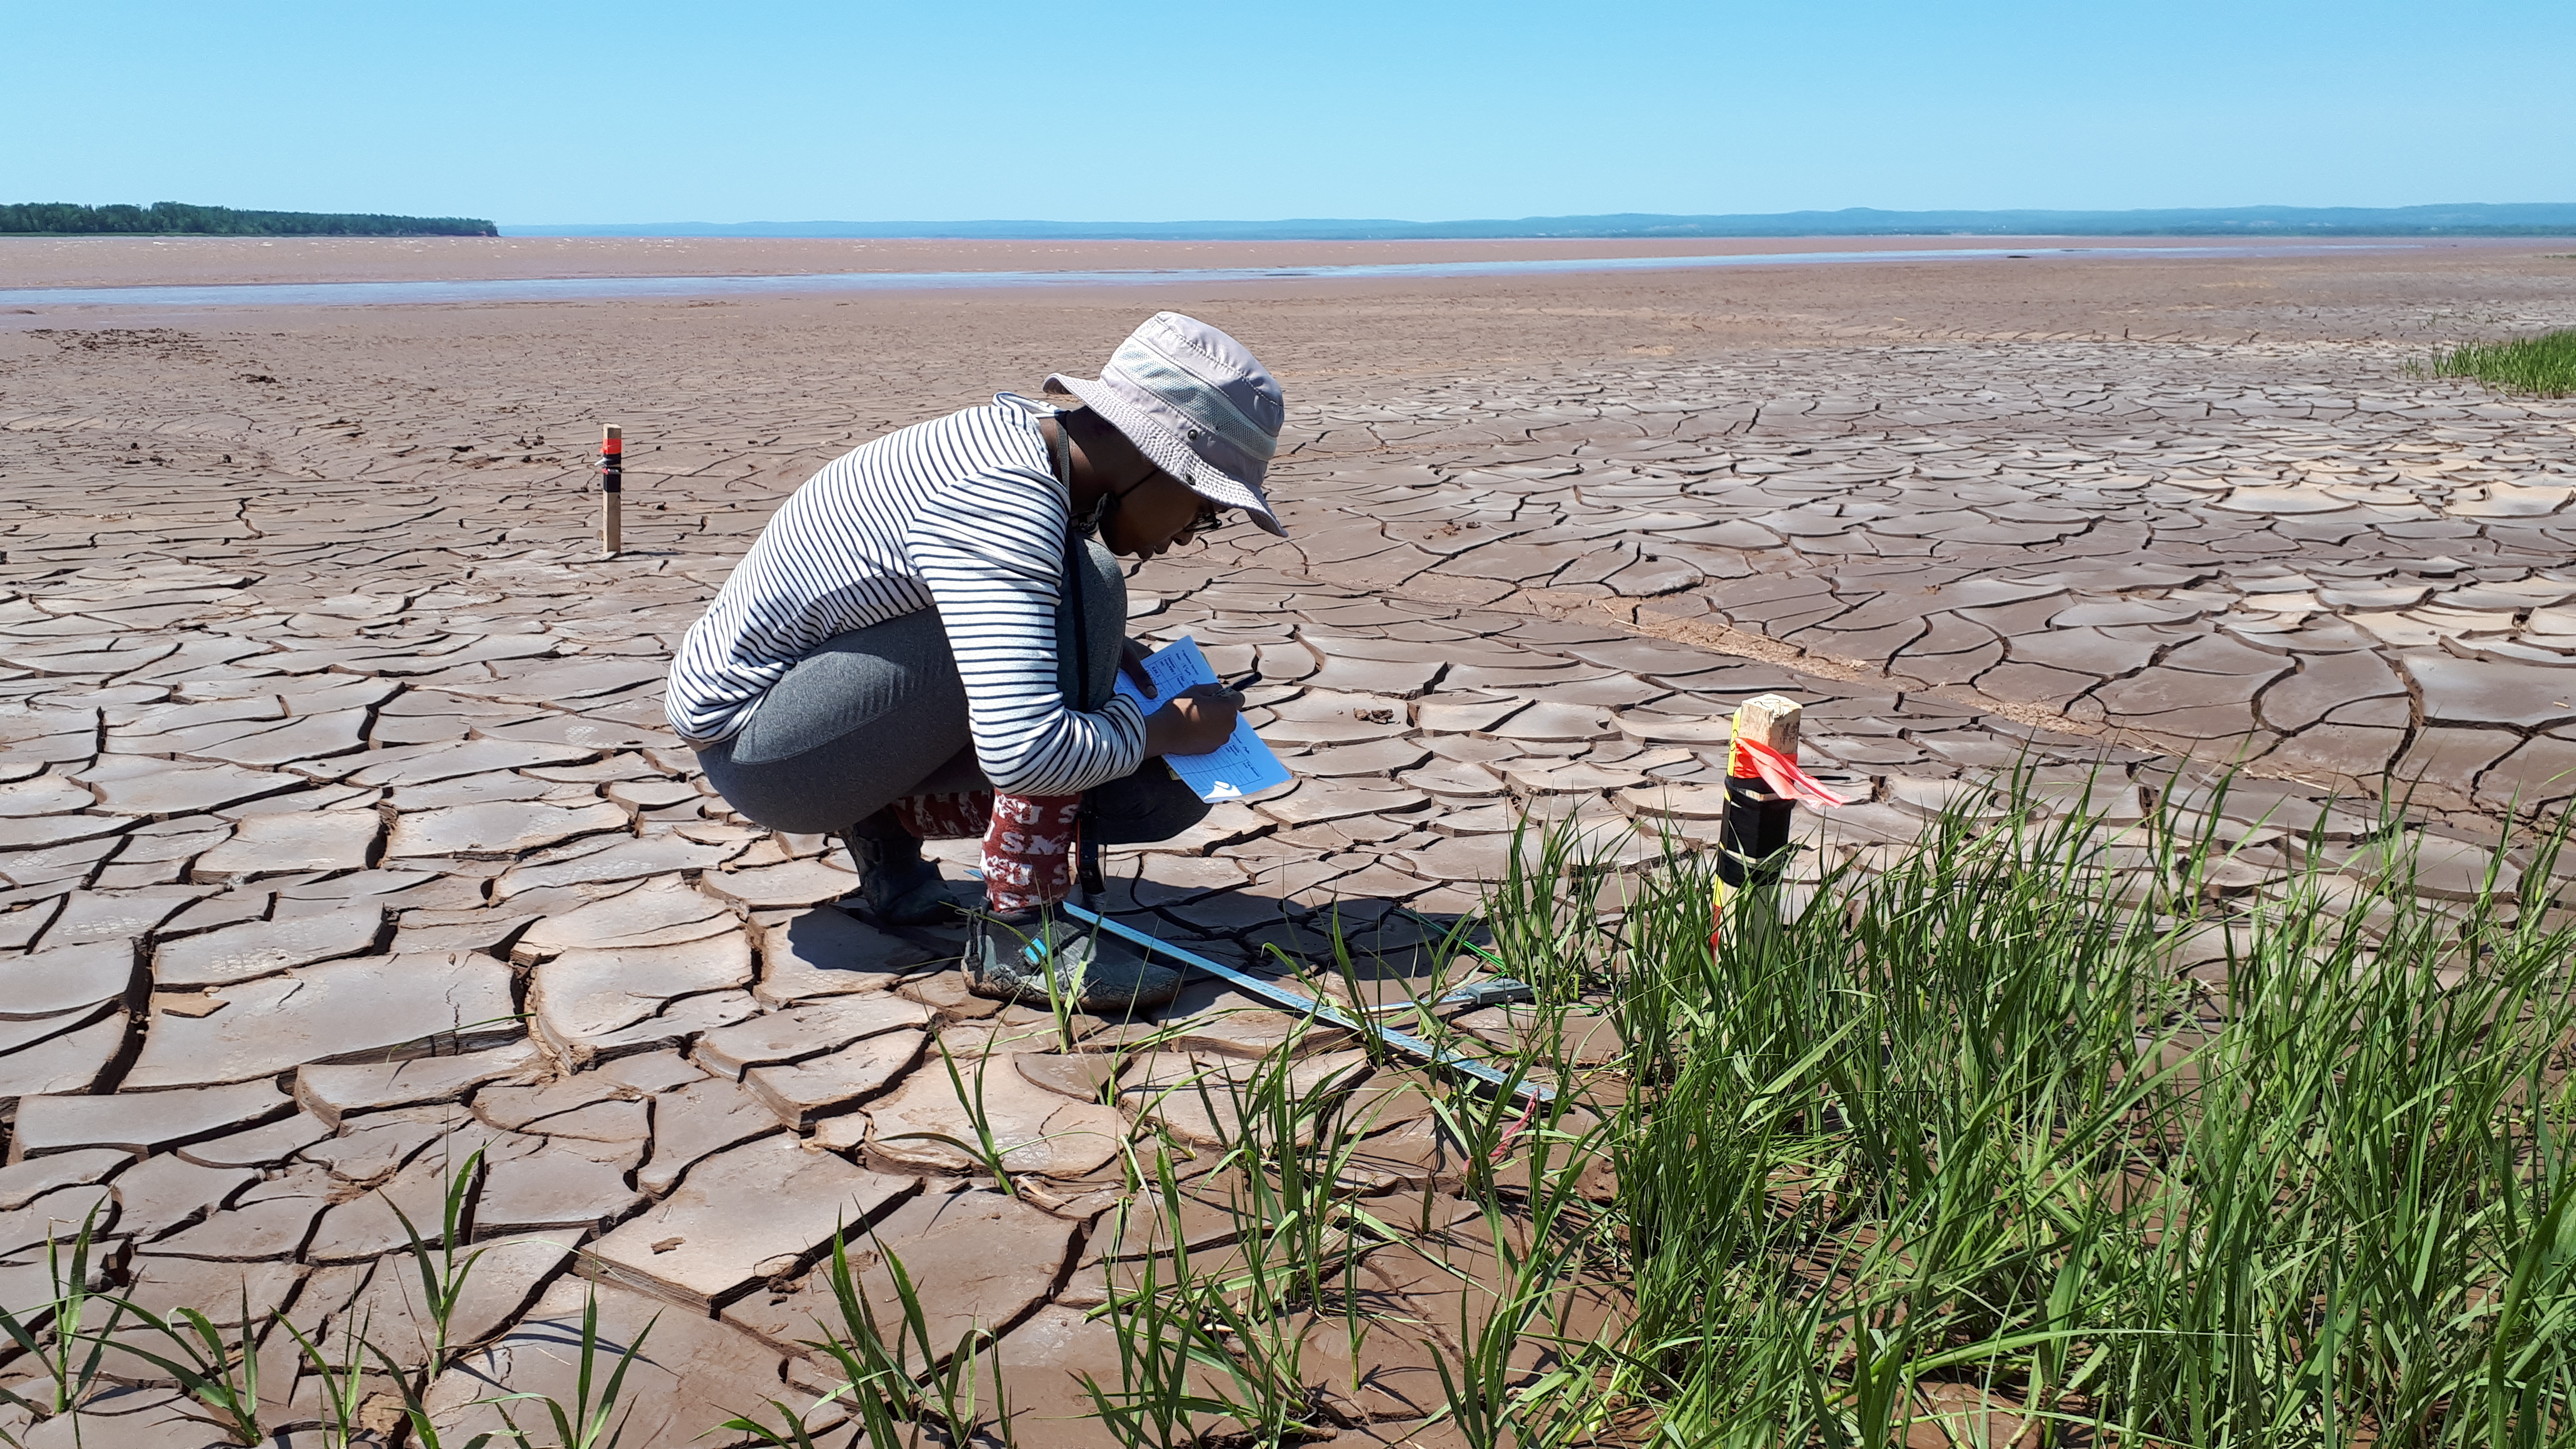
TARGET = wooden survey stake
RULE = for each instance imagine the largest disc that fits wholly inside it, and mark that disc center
(612, 489)
(1753, 838)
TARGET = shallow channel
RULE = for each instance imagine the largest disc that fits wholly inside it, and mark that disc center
(558, 289)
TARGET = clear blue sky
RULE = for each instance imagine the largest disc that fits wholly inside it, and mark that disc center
(530, 111)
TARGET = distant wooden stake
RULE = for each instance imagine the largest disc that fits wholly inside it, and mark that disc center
(612, 490)
(1753, 838)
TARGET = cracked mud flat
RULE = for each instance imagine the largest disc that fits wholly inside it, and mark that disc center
(340, 835)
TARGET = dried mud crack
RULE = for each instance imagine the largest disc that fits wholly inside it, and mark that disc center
(342, 841)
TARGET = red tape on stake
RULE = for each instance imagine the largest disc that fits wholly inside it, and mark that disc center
(1751, 759)
(612, 447)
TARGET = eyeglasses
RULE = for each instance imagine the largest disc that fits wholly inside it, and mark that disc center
(1210, 518)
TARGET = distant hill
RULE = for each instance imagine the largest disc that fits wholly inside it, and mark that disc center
(2464, 219)
(178, 218)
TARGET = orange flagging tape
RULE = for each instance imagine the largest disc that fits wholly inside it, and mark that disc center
(1748, 759)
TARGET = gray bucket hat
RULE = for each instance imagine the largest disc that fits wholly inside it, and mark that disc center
(1197, 404)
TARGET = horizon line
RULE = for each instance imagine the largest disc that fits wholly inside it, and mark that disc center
(2452, 218)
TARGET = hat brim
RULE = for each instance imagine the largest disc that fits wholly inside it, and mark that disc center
(1169, 453)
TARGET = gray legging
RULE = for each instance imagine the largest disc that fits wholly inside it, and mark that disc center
(879, 713)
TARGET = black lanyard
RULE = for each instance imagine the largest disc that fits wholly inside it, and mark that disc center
(1086, 853)
(1060, 447)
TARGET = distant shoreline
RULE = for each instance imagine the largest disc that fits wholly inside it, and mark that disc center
(2462, 219)
(180, 218)
(2250, 223)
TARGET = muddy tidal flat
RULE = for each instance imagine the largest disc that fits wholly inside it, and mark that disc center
(341, 835)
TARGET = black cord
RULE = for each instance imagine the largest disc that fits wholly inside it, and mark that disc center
(1061, 450)
(1086, 855)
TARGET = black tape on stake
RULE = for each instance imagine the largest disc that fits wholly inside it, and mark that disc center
(1753, 835)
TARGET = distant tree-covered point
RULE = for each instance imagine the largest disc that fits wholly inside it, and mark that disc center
(179, 218)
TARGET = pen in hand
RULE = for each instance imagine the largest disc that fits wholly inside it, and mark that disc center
(1232, 692)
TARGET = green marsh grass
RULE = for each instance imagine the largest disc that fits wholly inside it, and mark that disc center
(217, 1370)
(1960, 1134)
(1951, 1150)
(341, 1382)
(903, 1392)
(595, 1418)
(440, 1265)
(57, 1335)
(2543, 365)
(1953, 1145)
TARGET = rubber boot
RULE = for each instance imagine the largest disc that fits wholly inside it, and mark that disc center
(1039, 955)
(897, 887)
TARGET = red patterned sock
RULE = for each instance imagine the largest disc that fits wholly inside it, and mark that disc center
(1026, 850)
(961, 816)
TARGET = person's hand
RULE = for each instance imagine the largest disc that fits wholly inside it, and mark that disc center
(1131, 662)
(1197, 720)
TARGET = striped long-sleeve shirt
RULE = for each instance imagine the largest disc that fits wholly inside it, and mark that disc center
(963, 514)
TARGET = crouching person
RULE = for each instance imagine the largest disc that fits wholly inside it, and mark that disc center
(923, 643)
